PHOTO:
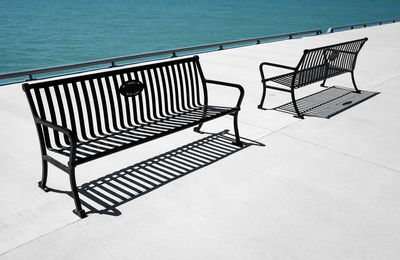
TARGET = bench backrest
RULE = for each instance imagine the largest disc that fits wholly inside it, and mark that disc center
(315, 63)
(94, 104)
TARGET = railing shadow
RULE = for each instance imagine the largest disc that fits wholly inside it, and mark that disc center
(327, 103)
(105, 194)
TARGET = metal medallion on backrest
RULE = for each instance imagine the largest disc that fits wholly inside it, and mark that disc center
(131, 88)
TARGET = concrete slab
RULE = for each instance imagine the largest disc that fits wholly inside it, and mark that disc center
(262, 208)
(311, 189)
(369, 131)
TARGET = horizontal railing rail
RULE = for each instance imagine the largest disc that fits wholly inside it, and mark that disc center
(352, 26)
(172, 52)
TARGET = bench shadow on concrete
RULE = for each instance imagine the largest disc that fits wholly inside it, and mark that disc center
(327, 103)
(105, 194)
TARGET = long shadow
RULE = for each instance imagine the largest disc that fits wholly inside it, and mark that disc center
(328, 102)
(105, 194)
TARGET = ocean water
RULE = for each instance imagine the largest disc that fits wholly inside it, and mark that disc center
(42, 33)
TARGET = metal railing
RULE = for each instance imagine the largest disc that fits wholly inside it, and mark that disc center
(172, 52)
(352, 26)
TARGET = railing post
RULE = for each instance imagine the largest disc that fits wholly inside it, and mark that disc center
(30, 77)
(290, 37)
(221, 47)
(173, 54)
(258, 41)
(112, 64)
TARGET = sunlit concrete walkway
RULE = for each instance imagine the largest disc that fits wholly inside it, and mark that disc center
(301, 189)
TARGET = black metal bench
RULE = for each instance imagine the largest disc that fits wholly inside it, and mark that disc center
(86, 117)
(315, 65)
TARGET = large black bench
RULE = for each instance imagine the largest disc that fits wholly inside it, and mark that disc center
(85, 117)
(315, 65)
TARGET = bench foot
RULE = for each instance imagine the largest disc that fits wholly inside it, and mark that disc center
(260, 107)
(80, 213)
(43, 187)
(240, 144)
(299, 116)
(197, 130)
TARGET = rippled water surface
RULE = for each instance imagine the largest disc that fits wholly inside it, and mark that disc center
(45, 33)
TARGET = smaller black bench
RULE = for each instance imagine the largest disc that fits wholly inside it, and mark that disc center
(315, 65)
(85, 117)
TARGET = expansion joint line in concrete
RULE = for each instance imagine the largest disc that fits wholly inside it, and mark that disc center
(340, 152)
(386, 81)
(36, 238)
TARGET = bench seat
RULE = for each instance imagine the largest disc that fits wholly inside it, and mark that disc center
(134, 135)
(317, 72)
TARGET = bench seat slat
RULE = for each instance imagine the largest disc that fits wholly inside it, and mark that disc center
(313, 75)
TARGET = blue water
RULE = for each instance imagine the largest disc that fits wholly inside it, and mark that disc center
(41, 33)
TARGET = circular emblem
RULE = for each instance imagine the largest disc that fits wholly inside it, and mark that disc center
(333, 55)
(131, 88)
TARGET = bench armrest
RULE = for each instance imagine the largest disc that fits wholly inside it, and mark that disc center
(71, 136)
(276, 65)
(56, 127)
(233, 85)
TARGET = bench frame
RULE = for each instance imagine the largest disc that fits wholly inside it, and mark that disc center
(340, 49)
(42, 124)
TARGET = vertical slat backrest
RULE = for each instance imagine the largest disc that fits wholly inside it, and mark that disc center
(346, 60)
(92, 105)
(312, 66)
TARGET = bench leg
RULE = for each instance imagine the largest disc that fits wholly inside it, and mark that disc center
(78, 207)
(323, 83)
(260, 106)
(197, 128)
(354, 83)
(42, 183)
(236, 128)
(299, 115)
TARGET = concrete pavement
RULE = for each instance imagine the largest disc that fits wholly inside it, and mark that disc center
(301, 189)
